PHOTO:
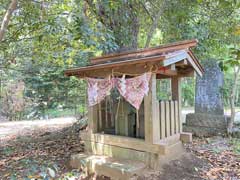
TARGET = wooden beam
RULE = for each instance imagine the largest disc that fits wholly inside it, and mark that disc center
(176, 117)
(182, 63)
(124, 142)
(92, 119)
(168, 72)
(176, 96)
(150, 115)
(175, 86)
(194, 65)
(195, 59)
(176, 58)
(91, 70)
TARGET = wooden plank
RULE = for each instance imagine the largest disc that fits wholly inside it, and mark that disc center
(100, 127)
(118, 71)
(141, 118)
(167, 119)
(176, 117)
(107, 104)
(180, 107)
(126, 110)
(81, 71)
(178, 57)
(124, 142)
(172, 117)
(92, 119)
(148, 116)
(116, 118)
(156, 123)
(145, 52)
(162, 119)
(171, 139)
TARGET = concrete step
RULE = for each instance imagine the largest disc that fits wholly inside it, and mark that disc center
(107, 166)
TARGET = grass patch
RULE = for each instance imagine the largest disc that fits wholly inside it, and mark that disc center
(236, 145)
(54, 113)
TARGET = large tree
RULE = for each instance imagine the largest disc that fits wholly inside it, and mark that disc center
(6, 18)
(45, 37)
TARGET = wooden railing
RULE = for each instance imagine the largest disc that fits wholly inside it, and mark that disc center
(169, 117)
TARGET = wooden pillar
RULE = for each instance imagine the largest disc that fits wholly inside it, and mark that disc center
(92, 119)
(100, 122)
(151, 116)
(176, 96)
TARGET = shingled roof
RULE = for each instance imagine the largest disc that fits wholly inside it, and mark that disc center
(160, 58)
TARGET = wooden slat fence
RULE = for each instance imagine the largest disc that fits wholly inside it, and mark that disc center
(169, 117)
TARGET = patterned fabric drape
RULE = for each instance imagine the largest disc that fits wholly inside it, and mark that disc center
(132, 89)
(98, 89)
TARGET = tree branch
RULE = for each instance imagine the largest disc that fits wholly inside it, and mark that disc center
(154, 25)
(6, 19)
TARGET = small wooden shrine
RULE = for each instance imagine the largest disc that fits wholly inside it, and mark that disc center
(121, 141)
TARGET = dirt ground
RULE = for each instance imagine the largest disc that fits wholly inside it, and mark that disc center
(41, 150)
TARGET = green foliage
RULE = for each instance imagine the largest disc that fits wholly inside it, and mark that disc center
(164, 89)
(236, 145)
(46, 37)
(188, 92)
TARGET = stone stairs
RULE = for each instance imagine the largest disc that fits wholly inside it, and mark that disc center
(111, 167)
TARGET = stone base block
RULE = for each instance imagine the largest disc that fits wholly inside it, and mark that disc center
(151, 160)
(205, 124)
(107, 166)
(186, 137)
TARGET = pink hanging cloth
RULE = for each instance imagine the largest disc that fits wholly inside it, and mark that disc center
(134, 89)
(98, 89)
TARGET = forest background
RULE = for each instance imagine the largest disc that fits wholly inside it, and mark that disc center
(39, 39)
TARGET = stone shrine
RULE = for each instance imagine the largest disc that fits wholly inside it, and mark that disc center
(208, 118)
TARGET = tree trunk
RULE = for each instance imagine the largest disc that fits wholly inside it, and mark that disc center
(6, 18)
(232, 100)
(123, 22)
(154, 25)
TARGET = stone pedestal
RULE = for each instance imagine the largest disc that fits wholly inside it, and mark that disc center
(201, 124)
(208, 118)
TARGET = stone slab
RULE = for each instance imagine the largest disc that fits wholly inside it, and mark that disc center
(208, 97)
(207, 120)
(203, 131)
(107, 166)
(186, 137)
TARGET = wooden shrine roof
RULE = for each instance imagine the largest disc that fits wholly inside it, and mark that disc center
(166, 60)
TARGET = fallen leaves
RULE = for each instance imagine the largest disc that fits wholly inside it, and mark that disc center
(42, 154)
(224, 162)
